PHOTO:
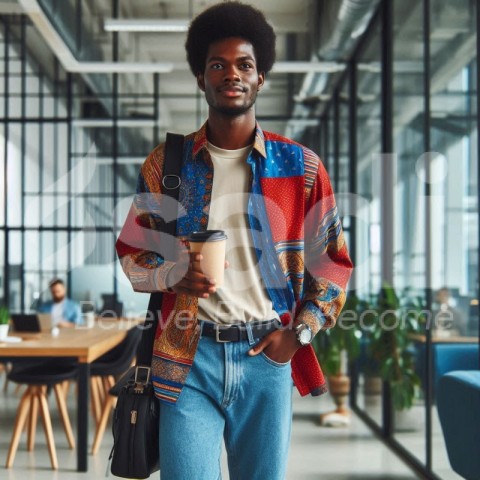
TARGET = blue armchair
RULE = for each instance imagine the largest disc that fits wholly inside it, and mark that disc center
(447, 357)
(458, 405)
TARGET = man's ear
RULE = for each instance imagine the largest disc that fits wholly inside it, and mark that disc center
(261, 80)
(201, 82)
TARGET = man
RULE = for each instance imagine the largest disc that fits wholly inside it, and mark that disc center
(222, 365)
(65, 312)
(448, 320)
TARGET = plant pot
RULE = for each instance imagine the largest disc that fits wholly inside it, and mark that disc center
(408, 420)
(4, 331)
(339, 388)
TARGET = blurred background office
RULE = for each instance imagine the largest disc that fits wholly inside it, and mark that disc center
(384, 90)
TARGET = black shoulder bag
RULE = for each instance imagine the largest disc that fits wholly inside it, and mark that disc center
(135, 452)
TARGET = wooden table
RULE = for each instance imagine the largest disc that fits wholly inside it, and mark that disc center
(81, 343)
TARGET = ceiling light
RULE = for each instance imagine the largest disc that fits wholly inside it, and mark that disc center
(146, 25)
(306, 67)
(122, 67)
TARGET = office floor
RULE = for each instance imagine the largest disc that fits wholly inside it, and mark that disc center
(316, 453)
(411, 433)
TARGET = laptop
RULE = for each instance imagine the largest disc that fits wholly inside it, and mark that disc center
(32, 322)
(25, 322)
(45, 321)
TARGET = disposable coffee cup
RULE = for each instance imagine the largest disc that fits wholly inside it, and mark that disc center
(211, 244)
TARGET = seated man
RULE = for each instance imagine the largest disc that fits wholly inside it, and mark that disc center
(449, 321)
(65, 312)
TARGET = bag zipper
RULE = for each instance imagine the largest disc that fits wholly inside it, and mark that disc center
(132, 434)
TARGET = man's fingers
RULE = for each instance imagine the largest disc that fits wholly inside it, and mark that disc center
(189, 278)
(188, 258)
(200, 278)
(259, 347)
(196, 284)
(196, 262)
(196, 257)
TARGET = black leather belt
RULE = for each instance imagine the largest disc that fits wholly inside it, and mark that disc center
(237, 332)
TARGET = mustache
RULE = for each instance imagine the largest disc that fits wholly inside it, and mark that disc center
(232, 85)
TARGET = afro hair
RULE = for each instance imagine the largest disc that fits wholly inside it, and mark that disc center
(225, 20)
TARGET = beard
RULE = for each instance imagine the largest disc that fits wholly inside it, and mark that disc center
(232, 110)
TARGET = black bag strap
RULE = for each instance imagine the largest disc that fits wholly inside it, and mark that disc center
(171, 180)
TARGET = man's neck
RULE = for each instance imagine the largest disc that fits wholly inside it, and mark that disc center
(231, 133)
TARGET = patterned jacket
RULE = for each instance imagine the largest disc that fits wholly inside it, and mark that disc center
(296, 232)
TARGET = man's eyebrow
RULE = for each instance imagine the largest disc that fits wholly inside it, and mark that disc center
(222, 59)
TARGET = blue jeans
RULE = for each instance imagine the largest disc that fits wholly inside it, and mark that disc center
(246, 400)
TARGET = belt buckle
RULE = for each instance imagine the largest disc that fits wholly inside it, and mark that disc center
(217, 333)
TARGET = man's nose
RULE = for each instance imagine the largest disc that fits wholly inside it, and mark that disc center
(231, 73)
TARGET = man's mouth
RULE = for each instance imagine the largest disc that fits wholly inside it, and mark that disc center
(232, 90)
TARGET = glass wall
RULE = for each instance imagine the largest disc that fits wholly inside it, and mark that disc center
(453, 128)
(69, 167)
(428, 113)
(35, 198)
(368, 238)
(410, 206)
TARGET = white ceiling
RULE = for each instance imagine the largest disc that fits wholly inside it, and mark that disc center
(304, 22)
(181, 106)
(185, 113)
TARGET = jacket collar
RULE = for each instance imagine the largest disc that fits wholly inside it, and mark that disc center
(200, 141)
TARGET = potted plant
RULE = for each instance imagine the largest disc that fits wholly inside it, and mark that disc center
(335, 348)
(391, 348)
(4, 322)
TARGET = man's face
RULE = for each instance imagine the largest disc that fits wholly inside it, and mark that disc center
(58, 292)
(231, 80)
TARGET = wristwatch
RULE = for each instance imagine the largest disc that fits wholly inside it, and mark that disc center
(304, 334)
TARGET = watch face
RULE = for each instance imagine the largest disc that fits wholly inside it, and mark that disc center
(305, 336)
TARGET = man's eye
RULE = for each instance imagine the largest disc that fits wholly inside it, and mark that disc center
(216, 66)
(246, 66)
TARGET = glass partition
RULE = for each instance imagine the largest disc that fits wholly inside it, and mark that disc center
(409, 219)
(368, 245)
(454, 188)
(436, 190)
(67, 172)
(344, 138)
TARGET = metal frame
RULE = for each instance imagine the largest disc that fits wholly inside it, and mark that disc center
(6, 274)
(478, 154)
(115, 135)
(23, 60)
(387, 181)
(428, 224)
(352, 147)
(336, 140)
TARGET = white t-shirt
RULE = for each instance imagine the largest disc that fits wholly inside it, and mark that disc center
(243, 296)
(57, 312)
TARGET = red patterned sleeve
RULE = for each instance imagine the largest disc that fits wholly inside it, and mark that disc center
(327, 264)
